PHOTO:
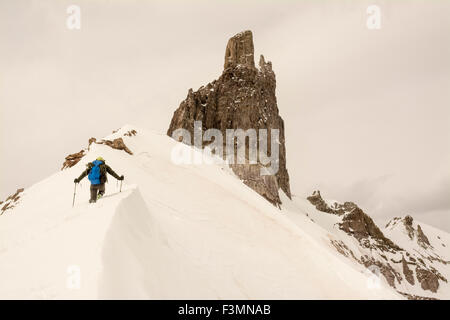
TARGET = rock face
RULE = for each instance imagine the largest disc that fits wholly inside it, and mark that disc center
(409, 274)
(240, 50)
(358, 224)
(355, 222)
(117, 144)
(336, 208)
(243, 97)
(72, 159)
(422, 239)
(428, 280)
(407, 221)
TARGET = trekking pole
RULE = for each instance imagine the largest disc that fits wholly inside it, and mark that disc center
(120, 185)
(74, 193)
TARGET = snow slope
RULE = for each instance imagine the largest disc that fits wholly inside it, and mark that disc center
(175, 231)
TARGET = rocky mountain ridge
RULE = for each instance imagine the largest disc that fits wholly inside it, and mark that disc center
(72, 159)
(411, 265)
(243, 97)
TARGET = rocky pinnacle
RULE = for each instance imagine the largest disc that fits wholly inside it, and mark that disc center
(240, 50)
(243, 97)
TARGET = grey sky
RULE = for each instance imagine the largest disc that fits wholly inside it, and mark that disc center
(367, 113)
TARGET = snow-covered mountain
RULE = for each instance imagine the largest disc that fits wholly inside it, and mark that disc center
(411, 257)
(196, 231)
(175, 231)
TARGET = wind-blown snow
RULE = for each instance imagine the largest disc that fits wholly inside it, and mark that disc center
(175, 231)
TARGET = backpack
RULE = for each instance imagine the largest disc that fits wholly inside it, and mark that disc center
(95, 173)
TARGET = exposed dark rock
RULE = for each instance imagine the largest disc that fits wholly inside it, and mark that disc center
(11, 201)
(427, 279)
(422, 239)
(392, 222)
(116, 144)
(385, 269)
(240, 51)
(73, 159)
(243, 97)
(415, 297)
(355, 223)
(338, 209)
(343, 249)
(266, 186)
(409, 274)
(317, 201)
(91, 141)
(407, 221)
(361, 226)
(130, 133)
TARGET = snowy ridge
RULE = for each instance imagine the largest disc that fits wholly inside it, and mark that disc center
(175, 231)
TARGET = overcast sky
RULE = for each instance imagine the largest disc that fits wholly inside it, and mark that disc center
(367, 112)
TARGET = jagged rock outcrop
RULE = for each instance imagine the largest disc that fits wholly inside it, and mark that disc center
(243, 97)
(362, 227)
(408, 226)
(118, 143)
(355, 222)
(11, 201)
(73, 159)
(130, 133)
(409, 274)
(428, 280)
(91, 141)
(336, 208)
(388, 272)
(240, 51)
(415, 297)
(422, 239)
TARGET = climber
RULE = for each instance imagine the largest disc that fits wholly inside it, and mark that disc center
(96, 172)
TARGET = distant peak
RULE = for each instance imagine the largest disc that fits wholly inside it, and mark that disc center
(411, 230)
(355, 222)
(408, 220)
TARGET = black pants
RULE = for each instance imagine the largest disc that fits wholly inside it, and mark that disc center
(100, 188)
